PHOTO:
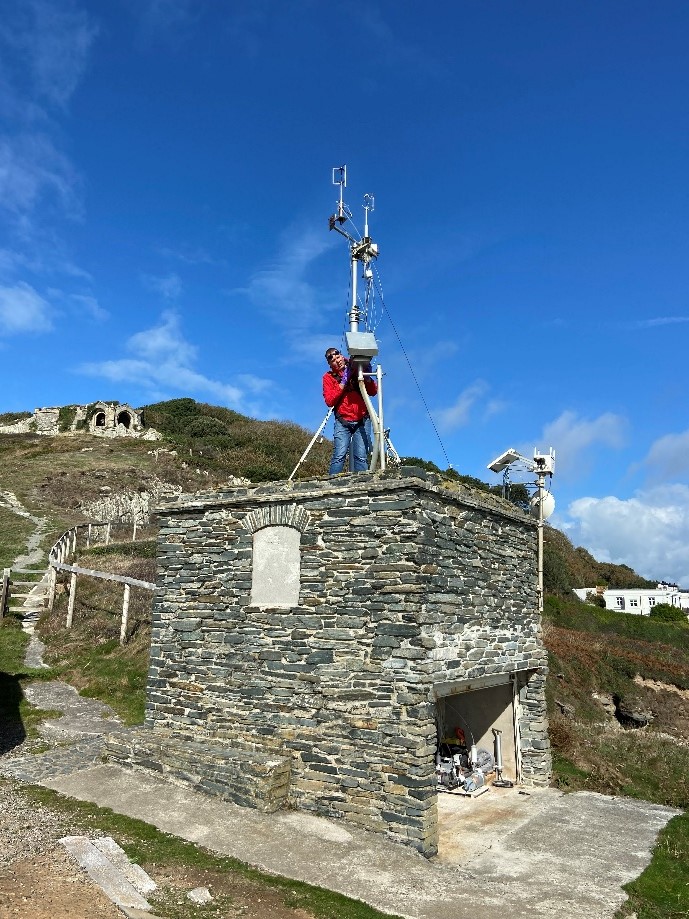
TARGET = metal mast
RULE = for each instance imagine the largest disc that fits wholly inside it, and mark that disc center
(362, 345)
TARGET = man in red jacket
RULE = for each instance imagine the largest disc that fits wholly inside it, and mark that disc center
(341, 392)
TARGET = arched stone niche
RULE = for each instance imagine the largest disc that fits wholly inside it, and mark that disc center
(276, 561)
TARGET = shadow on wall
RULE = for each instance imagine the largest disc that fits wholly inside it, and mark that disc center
(12, 732)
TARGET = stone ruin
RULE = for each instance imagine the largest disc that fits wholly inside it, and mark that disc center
(312, 643)
(106, 419)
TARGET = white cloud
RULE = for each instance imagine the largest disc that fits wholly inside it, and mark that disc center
(281, 290)
(90, 305)
(162, 362)
(45, 46)
(573, 438)
(32, 171)
(668, 457)
(169, 286)
(660, 320)
(23, 309)
(189, 255)
(166, 19)
(57, 48)
(458, 413)
(649, 532)
(390, 48)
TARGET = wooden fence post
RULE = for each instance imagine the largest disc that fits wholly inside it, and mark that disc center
(72, 595)
(51, 589)
(88, 538)
(134, 531)
(5, 592)
(125, 614)
(107, 534)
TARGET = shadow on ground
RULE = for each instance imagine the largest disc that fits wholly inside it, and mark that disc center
(12, 731)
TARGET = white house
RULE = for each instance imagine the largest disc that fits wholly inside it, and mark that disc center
(637, 601)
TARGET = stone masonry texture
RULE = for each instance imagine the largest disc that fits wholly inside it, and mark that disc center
(404, 585)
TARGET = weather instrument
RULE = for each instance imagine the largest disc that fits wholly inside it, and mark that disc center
(360, 339)
(542, 503)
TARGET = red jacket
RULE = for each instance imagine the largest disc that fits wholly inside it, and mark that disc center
(351, 406)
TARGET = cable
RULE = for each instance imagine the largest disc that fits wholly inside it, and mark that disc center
(411, 369)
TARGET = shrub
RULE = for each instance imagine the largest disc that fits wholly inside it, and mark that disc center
(66, 417)
(667, 613)
(13, 417)
(206, 426)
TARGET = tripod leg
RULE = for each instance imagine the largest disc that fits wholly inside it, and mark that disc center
(313, 441)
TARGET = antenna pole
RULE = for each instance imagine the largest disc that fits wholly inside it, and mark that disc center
(354, 310)
(541, 488)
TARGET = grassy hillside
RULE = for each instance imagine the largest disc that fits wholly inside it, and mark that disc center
(225, 442)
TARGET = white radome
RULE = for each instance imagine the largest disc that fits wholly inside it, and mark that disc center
(548, 505)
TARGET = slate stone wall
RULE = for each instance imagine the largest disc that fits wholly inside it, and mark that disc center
(404, 585)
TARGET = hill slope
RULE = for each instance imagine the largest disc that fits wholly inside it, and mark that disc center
(204, 445)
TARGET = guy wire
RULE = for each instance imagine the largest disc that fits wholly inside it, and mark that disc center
(411, 369)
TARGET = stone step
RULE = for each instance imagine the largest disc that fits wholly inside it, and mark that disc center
(251, 779)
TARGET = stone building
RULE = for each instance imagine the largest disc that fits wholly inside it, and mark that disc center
(311, 641)
(107, 419)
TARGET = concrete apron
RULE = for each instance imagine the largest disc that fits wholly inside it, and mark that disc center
(502, 855)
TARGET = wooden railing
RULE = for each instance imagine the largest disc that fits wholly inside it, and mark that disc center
(5, 591)
(65, 547)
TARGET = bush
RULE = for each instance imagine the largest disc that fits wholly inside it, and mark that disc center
(66, 417)
(13, 417)
(667, 613)
(206, 426)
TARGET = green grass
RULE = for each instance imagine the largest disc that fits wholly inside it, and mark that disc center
(567, 776)
(13, 642)
(138, 549)
(662, 890)
(110, 673)
(146, 845)
(584, 617)
(16, 715)
(89, 655)
(14, 532)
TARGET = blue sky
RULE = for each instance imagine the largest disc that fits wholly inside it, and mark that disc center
(165, 183)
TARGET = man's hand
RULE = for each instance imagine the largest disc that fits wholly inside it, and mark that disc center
(344, 379)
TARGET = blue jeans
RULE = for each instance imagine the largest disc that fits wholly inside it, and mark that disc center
(350, 436)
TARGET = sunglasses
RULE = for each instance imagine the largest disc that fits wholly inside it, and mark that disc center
(332, 355)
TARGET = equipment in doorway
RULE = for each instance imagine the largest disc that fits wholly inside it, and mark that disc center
(462, 769)
(499, 782)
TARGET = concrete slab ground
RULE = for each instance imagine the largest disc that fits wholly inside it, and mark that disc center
(503, 855)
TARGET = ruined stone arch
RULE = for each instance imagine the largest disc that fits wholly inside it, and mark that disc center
(124, 418)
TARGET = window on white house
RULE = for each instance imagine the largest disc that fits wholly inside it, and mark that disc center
(619, 602)
(633, 602)
(651, 601)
